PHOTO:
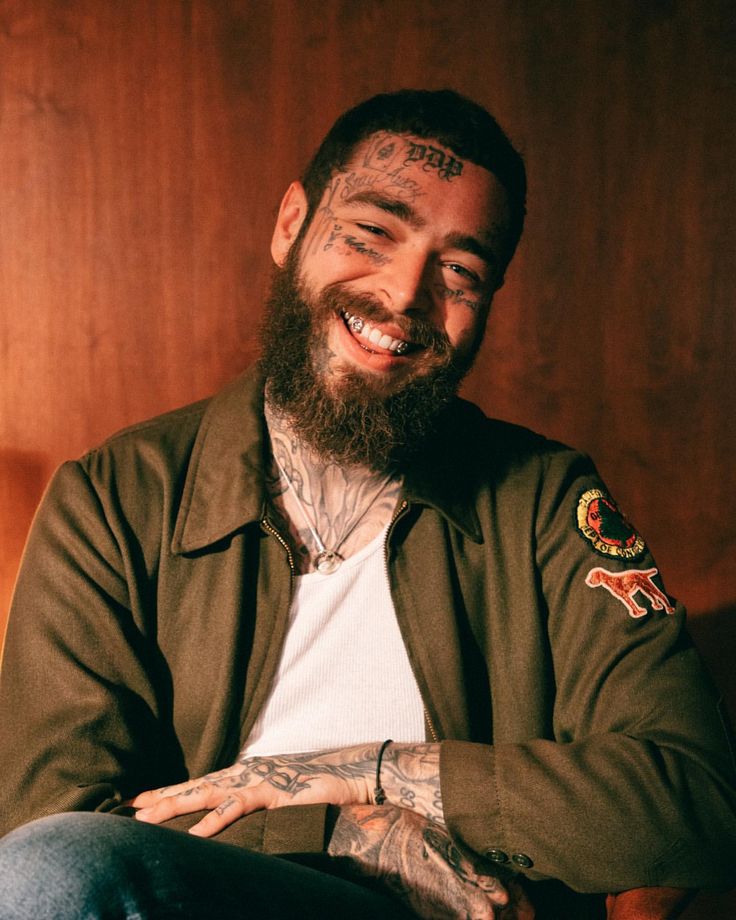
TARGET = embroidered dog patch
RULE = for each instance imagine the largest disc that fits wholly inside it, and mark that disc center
(603, 524)
(624, 585)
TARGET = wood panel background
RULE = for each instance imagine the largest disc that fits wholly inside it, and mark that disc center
(144, 145)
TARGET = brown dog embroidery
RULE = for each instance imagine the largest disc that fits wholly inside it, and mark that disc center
(624, 585)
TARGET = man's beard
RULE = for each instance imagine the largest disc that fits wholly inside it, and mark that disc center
(348, 416)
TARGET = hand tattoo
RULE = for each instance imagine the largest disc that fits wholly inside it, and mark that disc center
(416, 861)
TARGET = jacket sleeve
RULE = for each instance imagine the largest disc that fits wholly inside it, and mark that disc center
(635, 785)
(85, 706)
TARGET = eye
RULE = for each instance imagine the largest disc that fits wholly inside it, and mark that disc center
(464, 272)
(373, 229)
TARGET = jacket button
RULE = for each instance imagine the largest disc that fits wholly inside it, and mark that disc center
(497, 856)
(522, 861)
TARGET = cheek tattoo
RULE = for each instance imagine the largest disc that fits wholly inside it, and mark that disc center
(458, 297)
(355, 244)
(334, 235)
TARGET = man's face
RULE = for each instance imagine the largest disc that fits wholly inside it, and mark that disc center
(380, 302)
(406, 250)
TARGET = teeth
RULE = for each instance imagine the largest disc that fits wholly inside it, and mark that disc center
(360, 327)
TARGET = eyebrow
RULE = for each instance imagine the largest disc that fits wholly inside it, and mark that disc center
(390, 205)
(470, 244)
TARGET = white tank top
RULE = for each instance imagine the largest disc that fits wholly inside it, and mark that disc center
(344, 676)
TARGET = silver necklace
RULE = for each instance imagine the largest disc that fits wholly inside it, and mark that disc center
(327, 561)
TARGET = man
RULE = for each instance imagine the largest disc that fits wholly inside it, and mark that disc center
(224, 614)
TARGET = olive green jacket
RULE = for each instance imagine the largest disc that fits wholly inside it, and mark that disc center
(579, 743)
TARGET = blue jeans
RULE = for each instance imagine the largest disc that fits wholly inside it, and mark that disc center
(84, 866)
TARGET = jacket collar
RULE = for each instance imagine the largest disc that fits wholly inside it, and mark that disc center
(224, 487)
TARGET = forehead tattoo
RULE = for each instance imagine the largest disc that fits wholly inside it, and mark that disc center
(389, 152)
(447, 166)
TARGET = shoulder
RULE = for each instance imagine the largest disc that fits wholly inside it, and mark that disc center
(166, 439)
(478, 470)
(163, 446)
(497, 448)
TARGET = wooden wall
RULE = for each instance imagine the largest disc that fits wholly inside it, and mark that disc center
(144, 145)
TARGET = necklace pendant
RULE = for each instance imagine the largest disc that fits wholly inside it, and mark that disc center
(327, 562)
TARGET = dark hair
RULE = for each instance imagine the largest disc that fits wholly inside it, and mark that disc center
(455, 121)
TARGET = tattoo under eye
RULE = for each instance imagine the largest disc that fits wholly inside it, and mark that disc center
(458, 296)
(357, 246)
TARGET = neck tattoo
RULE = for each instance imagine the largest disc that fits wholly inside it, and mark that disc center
(327, 560)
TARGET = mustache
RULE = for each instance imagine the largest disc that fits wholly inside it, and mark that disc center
(414, 328)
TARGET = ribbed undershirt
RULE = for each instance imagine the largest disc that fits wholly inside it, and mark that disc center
(344, 676)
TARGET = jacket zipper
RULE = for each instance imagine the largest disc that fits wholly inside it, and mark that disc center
(270, 529)
(397, 514)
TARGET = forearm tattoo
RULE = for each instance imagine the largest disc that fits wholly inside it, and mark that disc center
(410, 775)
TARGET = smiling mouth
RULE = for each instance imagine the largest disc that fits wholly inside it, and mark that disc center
(371, 335)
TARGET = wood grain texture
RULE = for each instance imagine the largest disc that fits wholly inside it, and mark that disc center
(144, 146)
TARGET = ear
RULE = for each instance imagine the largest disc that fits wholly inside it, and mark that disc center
(292, 213)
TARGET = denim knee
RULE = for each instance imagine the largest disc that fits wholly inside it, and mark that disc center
(84, 866)
(66, 865)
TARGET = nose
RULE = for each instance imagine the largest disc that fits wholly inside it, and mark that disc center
(406, 283)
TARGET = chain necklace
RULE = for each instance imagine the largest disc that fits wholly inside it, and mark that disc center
(328, 561)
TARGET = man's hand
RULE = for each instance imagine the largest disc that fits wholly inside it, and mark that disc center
(343, 776)
(338, 777)
(402, 845)
(417, 862)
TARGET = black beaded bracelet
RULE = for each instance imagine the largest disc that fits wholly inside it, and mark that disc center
(379, 793)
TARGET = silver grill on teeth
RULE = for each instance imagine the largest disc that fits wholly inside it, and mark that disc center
(357, 325)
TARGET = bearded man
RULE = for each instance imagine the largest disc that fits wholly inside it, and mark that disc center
(225, 614)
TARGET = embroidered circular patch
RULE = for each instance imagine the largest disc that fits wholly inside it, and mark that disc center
(602, 523)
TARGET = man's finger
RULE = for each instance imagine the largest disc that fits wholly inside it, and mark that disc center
(153, 796)
(144, 799)
(219, 818)
(203, 795)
